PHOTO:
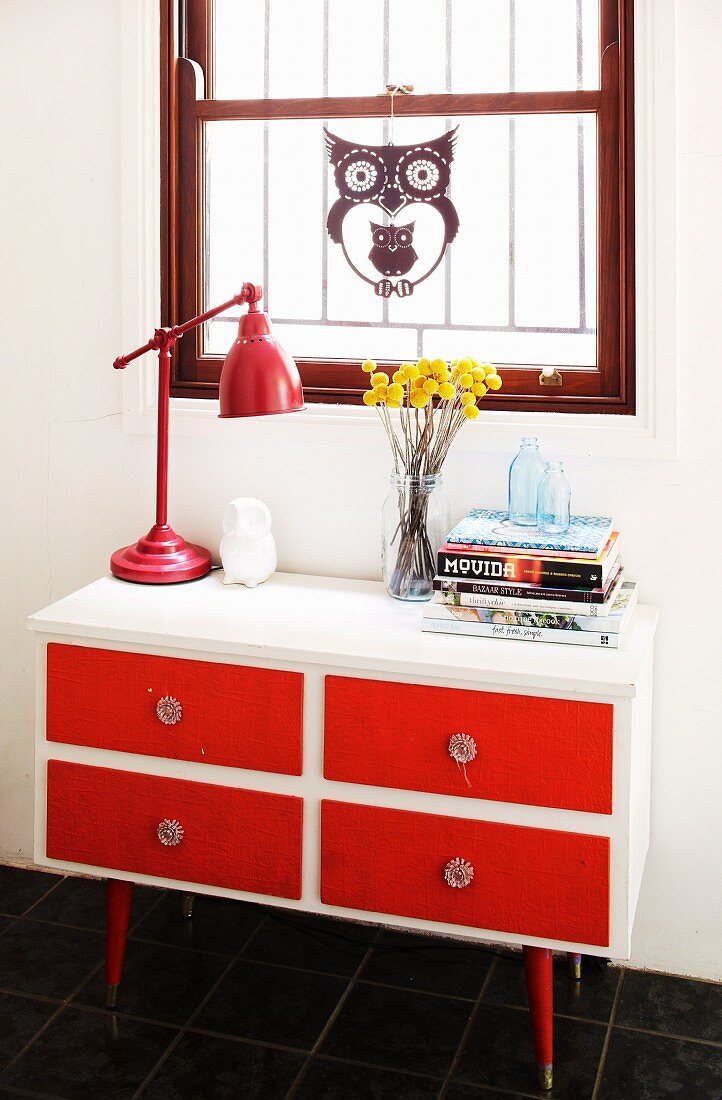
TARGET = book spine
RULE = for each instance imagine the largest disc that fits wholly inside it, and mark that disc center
(544, 571)
(522, 633)
(523, 592)
(551, 551)
(443, 613)
(475, 599)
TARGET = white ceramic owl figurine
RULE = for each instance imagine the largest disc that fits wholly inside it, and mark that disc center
(248, 549)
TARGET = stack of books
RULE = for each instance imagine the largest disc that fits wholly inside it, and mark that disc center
(498, 580)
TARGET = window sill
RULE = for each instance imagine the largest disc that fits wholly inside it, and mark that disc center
(602, 436)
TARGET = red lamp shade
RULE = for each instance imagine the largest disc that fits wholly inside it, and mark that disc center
(258, 378)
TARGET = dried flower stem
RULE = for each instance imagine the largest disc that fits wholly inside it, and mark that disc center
(433, 400)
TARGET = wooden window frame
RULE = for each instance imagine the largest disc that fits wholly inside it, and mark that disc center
(186, 73)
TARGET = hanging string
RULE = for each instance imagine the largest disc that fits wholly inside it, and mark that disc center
(392, 90)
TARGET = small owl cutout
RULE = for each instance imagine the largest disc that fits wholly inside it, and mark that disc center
(404, 188)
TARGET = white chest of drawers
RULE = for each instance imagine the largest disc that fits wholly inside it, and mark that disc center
(294, 744)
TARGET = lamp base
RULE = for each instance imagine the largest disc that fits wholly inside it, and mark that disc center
(161, 557)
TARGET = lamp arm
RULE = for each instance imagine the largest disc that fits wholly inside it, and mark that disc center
(165, 338)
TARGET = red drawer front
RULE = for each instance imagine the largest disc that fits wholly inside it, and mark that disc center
(241, 840)
(540, 752)
(533, 882)
(231, 715)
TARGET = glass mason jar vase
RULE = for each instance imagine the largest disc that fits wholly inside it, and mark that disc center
(415, 524)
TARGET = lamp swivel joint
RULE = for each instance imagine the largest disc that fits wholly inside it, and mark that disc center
(250, 294)
(164, 338)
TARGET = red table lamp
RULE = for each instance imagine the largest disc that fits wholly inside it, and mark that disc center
(258, 379)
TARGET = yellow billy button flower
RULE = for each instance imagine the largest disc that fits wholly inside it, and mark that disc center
(431, 386)
(381, 378)
(488, 368)
(411, 371)
(390, 404)
(419, 399)
(478, 373)
(465, 366)
(447, 391)
(395, 392)
(398, 376)
(479, 389)
(493, 381)
(368, 366)
(467, 398)
(471, 412)
(442, 375)
(438, 365)
(381, 390)
(369, 398)
(466, 381)
(424, 365)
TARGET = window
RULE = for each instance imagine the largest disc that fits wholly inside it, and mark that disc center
(541, 271)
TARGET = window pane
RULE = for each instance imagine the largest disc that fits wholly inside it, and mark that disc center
(239, 49)
(517, 284)
(546, 216)
(331, 47)
(481, 46)
(417, 44)
(555, 45)
(356, 55)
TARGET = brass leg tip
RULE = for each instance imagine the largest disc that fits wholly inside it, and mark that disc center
(545, 1074)
(187, 907)
(575, 967)
(111, 996)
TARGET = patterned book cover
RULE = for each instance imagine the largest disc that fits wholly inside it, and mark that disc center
(482, 527)
(613, 623)
(554, 556)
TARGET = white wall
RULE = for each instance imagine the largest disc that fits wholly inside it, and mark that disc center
(75, 486)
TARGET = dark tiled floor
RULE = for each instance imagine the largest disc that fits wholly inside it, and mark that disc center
(244, 1002)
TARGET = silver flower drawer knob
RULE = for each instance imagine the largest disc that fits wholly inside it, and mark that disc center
(170, 832)
(458, 873)
(169, 710)
(462, 748)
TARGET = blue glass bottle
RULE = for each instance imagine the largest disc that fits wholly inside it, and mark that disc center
(525, 473)
(554, 500)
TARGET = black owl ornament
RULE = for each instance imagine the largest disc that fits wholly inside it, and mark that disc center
(393, 252)
(396, 180)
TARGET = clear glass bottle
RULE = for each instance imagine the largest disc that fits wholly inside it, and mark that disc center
(415, 526)
(525, 473)
(553, 500)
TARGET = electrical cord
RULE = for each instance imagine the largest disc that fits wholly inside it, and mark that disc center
(318, 934)
(596, 962)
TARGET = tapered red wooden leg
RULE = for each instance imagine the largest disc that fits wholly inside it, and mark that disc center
(119, 898)
(187, 905)
(539, 979)
(575, 966)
